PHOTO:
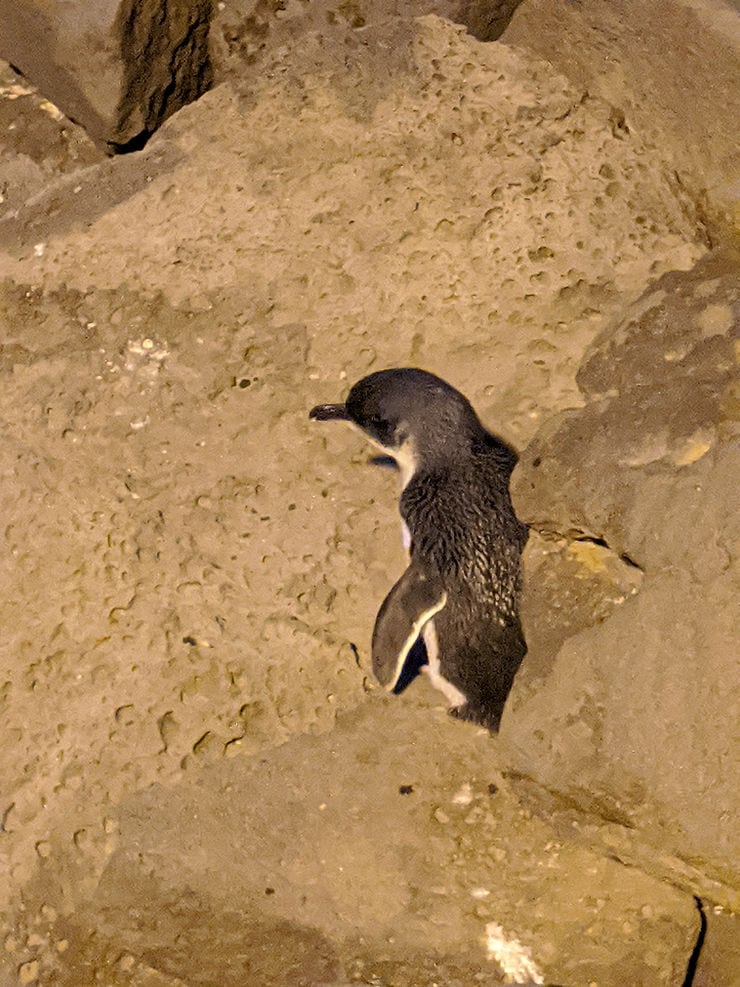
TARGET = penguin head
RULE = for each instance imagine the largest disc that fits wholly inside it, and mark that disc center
(411, 414)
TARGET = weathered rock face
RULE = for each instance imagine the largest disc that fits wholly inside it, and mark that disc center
(118, 68)
(40, 143)
(247, 36)
(273, 874)
(639, 709)
(191, 571)
(671, 69)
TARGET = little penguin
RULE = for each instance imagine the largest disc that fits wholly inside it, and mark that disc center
(460, 591)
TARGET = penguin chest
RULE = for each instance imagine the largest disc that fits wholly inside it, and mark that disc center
(405, 536)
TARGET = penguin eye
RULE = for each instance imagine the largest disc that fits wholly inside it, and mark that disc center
(383, 431)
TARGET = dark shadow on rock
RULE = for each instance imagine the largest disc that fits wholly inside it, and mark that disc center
(486, 19)
(166, 65)
(179, 934)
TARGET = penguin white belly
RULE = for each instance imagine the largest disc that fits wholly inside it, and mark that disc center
(453, 694)
(405, 536)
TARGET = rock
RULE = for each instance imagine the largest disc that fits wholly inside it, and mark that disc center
(39, 142)
(719, 959)
(198, 571)
(486, 19)
(686, 100)
(117, 68)
(638, 709)
(248, 38)
(347, 875)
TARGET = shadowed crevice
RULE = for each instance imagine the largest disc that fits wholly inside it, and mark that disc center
(693, 963)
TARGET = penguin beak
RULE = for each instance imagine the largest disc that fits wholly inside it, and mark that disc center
(329, 413)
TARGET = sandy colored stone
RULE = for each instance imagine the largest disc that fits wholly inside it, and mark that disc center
(39, 142)
(328, 864)
(491, 243)
(28, 972)
(639, 709)
(196, 541)
(684, 101)
(117, 68)
(192, 570)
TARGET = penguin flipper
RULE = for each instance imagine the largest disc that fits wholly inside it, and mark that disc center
(413, 601)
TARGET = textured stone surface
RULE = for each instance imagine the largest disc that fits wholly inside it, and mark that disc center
(174, 492)
(268, 872)
(361, 37)
(484, 199)
(191, 571)
(118, 67)
(719, 960)
(640, 709)
(671, 71)
(39, 143)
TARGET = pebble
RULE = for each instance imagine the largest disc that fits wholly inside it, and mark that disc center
(464, 796)
(28, 972)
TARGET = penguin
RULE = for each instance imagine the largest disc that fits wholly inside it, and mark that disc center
(459, 594)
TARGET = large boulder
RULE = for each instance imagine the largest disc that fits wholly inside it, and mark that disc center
(637, 710)
(670, 70)
(405, 860)
(118, 67)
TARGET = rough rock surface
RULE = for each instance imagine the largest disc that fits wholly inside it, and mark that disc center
(118, 67)
(40, 143)
(671, 70)
(249, 39)
(649, 468)
(319, 876)
(484, 199)
(191, 571)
